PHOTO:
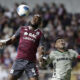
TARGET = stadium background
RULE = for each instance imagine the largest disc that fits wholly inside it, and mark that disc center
(60, 18)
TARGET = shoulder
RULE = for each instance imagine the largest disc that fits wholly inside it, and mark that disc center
(23, 27)
(53, 52)
(73, 53)
(39, 32)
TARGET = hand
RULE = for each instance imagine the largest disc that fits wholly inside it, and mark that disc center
(2, 44)
(41, 50)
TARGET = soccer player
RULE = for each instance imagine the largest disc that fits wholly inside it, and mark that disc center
(29, 37)
(62, 59)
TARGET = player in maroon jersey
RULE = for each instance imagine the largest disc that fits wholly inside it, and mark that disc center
(29, 37)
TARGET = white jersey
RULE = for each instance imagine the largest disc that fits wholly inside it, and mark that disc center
(62, 63)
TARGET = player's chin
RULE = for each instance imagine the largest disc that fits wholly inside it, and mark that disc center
(62, 47)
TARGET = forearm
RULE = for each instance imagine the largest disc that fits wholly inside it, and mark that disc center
(43, 61)
(8, 41)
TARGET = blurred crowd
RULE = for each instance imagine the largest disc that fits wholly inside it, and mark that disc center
(56, 22)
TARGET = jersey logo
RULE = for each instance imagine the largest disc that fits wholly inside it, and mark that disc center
(25, 33)
(30, 34)
(37, 33)
(59, 59)
(25, 29)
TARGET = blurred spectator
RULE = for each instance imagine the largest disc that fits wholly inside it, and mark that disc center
(7, 59)
(3, 73)
(56, 22)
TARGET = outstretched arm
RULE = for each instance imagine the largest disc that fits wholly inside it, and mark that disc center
(10, 40)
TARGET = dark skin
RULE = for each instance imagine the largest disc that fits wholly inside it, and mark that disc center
(35, 22)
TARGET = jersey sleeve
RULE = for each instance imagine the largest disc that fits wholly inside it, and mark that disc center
(51, 55)
(74, 53)
(17, 34)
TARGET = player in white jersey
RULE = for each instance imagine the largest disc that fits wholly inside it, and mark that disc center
(62, 59)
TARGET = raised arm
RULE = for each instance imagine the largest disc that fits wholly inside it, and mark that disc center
(44, 44)
(43, 51)
(46, 59)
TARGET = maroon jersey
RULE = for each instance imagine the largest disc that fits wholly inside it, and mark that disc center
(28, 43)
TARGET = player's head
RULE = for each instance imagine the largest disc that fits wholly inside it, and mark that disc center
(36, 20)
(61, 44)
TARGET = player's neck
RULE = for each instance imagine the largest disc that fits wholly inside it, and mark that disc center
(61, 50)
(34, 27)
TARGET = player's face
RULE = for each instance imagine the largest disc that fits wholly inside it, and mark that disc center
(61, 44)
(36, 20)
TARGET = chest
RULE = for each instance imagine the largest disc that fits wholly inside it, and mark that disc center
(30, 35)
(63, 57)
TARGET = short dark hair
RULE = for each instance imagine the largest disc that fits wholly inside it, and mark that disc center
(38, 15)
(59, 38)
